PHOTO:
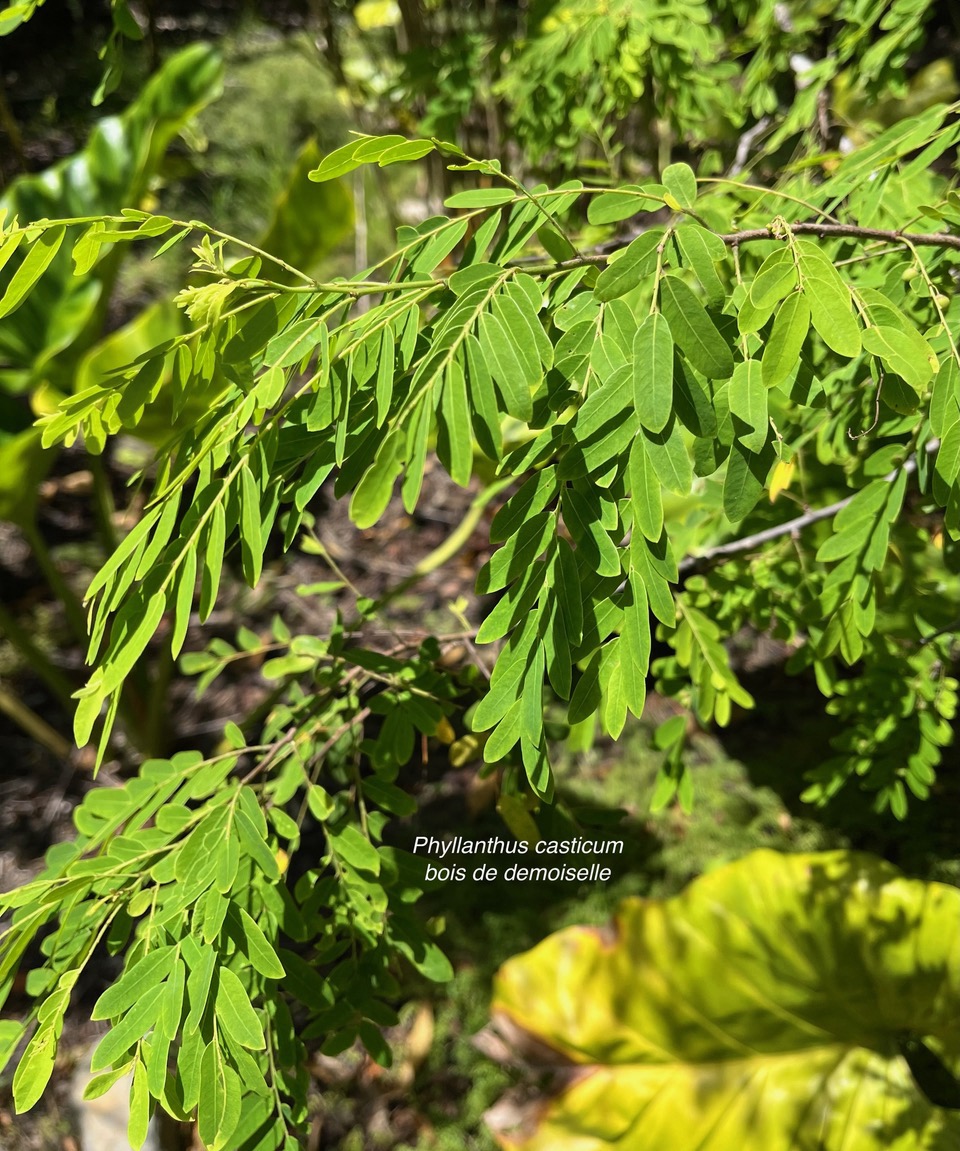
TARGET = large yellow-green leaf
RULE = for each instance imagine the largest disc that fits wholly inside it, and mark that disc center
(308, 220)
(765, 1007)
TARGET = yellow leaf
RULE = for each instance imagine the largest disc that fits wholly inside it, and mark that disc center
(371, 14)
(445, 732)
(782, 476)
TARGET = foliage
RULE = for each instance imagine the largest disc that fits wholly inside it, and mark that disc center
(836, 974)
(125, 27)
(589, 85)
(647, 414)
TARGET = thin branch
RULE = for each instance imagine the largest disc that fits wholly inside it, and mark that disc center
(692, 565)
(850, 231)
(600, 255)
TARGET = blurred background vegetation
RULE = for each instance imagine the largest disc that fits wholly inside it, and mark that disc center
(608, 91)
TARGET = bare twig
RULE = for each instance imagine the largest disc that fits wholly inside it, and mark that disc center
(745, 143)
(691, 565)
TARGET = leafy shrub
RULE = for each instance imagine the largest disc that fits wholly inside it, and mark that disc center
(654, 412)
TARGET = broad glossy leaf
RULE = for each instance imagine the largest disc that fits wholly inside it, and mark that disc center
(827, 962)
(308, 221)
(114, 169)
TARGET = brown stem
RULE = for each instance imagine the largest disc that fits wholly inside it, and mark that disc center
(691, 565)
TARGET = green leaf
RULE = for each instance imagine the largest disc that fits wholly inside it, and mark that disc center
(592, 539)
(257, 949)
(566, 581)
(235, 1013)
(745, 480)
(692, 401)
(366, 150)
(523, 330)
(186, 581)
(653, 372)
(829, 300)
(747, 396)
(700, 252)
(668, 457)
(945, 400)
(774, 281)
(907, 354)
(481, 198)
(782, 350)
(34, 264)
(139, 1108)
(694, 331)
(134, 983)
(11, 1033)
(532, 497)
(35, 1068)
(506, 367)
(256, 847)
(135, 1023)
(215, 538)
(627, 271)
(126, 646)
(352, 845)
(372, 494)
(218, 1108)
(612, 207)
(645, 495)
(680, 181)
(517, 554)
(804, 1030)
(603, 427)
